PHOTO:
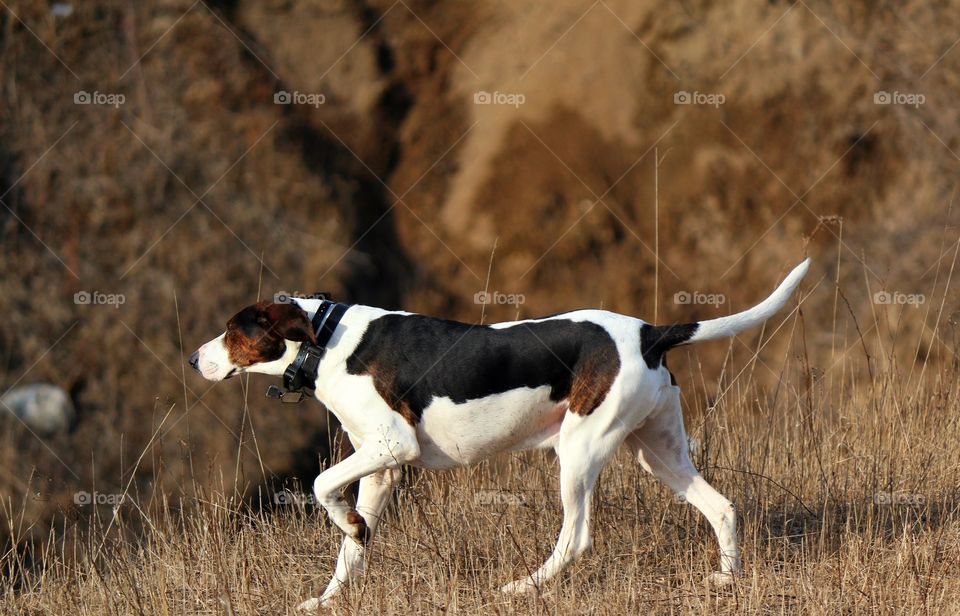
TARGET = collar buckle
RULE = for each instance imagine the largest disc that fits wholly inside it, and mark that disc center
(287, 397)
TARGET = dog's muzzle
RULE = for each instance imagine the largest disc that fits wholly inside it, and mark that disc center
(195, 361)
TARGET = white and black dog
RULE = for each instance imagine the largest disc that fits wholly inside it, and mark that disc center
(432, 393)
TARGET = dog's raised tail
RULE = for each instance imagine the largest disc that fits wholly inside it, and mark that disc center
(655, 340)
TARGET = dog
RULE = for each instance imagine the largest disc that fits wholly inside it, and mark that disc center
(432, 393)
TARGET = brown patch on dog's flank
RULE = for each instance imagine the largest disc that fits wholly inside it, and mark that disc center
(592, 379)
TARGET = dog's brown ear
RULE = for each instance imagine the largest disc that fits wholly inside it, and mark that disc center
(287, 321)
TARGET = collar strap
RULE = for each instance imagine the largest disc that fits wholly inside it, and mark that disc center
(301, 375)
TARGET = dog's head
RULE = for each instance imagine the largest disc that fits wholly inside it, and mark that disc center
(257, 339)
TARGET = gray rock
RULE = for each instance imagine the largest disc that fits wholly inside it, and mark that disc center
(45, 408)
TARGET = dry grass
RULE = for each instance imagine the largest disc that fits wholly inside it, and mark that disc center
(847, 491)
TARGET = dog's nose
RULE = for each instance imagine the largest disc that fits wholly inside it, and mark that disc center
(195, 360)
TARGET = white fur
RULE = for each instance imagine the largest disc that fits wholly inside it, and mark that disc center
(724, 327)
(641, 409)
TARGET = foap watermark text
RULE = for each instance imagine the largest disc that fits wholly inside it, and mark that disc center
(496, 298)
(513, 99)
(898, 498)
(285, 297)
(896, 298)
(286, 497)
(910, 99)
(83, 498)
(697, 298)
(314, 99)
(96, 298)
(712, 99)
(496, 497)
(112, 99)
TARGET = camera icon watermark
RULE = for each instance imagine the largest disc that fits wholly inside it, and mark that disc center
(898, 499)
(712, 99)
(314, 99)
(113, 99)
(911, 99)
(697, 298)
(495, 298)
(896, 298)
(513, 99)
(496, 497)
(96, 298)
(287, 297)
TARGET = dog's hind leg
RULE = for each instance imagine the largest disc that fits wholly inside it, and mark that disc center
(583, 450)
(372, 500)
(660, 445)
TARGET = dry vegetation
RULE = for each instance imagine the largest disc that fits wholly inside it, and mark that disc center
(848, 503)
(834, 430)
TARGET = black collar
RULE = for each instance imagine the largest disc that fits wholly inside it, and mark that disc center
(301, 375)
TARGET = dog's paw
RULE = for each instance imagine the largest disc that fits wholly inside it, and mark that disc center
(358, 529)
(518, 587)
(310, 606)
(720, 579)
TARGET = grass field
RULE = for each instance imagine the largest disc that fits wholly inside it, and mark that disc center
(847, 491)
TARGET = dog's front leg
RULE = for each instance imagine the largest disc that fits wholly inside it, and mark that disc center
(389, 449)
(382, 452)
(374, 495)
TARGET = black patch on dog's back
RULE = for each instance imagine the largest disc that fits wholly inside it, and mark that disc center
(414, 358)
(656, 340)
